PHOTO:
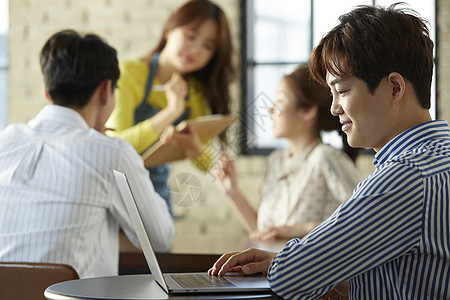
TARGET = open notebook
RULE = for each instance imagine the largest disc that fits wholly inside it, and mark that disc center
(184, 282)
(207, 127)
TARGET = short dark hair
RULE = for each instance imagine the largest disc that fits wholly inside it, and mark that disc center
(370, 42)
(74, 66)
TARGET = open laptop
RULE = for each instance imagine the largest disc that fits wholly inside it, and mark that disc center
(184, 282)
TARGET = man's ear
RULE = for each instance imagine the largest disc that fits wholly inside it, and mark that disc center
(105, 91)
(398, 86)
(47, 96)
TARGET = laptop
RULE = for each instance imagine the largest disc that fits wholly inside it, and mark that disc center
(184, 282)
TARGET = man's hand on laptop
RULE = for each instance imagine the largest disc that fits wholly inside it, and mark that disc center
(250, 261)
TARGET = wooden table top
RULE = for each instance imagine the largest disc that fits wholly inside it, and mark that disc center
(189, 253)
(208, 244)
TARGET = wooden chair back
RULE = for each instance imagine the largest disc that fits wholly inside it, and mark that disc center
(25, 281)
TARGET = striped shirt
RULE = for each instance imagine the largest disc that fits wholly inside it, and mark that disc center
(59, 201)
(391, 240)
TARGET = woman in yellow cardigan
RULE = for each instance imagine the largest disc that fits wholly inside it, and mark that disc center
(186, 75)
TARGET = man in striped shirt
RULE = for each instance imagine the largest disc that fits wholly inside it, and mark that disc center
(59, 201)
(391, 239)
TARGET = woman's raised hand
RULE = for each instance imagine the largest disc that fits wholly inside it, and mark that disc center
(225, 173)
(176, 91)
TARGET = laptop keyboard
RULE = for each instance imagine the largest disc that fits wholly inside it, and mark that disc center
(200, 280)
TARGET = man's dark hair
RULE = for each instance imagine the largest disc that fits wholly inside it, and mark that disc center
(370, 42)
(74, 66)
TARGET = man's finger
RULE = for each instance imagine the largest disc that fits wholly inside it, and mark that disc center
(218, 264)
(237, 259)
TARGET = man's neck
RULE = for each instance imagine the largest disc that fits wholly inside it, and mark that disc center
(407, 121)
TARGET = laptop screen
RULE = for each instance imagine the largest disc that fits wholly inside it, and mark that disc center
(146, 246)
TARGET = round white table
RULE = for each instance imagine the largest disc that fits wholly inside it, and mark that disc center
(129, 287)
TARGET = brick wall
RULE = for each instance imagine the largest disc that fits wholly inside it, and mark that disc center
(132, 27)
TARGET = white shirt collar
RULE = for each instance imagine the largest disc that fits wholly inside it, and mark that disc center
(60, 114)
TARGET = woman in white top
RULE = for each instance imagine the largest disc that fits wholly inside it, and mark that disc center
(304, 183)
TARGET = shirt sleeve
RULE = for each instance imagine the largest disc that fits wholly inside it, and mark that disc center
(381, 222)
(129, 94)
(199, 106)
(153, 209)
(205, 160)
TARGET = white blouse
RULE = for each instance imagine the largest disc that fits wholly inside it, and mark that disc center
(307, 187)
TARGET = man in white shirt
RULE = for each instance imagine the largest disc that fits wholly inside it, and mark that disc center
(58, 198)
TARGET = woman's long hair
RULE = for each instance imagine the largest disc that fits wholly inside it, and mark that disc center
(218, 73)
(308, 93)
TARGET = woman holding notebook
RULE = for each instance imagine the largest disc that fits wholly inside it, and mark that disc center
(185, 76)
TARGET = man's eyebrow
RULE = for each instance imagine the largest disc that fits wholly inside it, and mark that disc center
(336, 80)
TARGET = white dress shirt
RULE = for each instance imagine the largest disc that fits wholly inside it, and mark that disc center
(59, 201)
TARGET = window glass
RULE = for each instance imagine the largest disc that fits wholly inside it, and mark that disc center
(326, 19)
(281, 28)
